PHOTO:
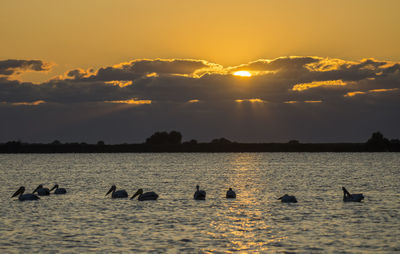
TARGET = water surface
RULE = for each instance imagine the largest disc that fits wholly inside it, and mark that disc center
(84, 220)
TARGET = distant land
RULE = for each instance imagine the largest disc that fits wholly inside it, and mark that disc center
(164, 142)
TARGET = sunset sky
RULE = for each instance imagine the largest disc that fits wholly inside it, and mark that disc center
(120, 70)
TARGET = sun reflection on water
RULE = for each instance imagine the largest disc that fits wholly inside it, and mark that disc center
(244, 221)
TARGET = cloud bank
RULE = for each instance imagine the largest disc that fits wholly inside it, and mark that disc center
(313, 99)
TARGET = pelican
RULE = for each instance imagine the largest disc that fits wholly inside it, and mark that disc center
(145, 196)
(347, 197)
(230, 193)
(22, 196)
(58, 190)
(199, 194)
(42, 191)
(118, 193)
(288, 199)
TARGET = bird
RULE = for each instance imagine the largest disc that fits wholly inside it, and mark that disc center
(58, 190)
(230, 193)
(24, 197)
(145, 196)
(41, 191)
(347, 197)
(199, 194)
(118, 193)
(288, 199)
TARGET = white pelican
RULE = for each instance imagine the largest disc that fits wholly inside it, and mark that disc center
(230, 193)
(58, 190)
(347, 197)
(22, 196)
(288, 199)
(145, 196)
(199, 194)
(42, 191)
(118, 193)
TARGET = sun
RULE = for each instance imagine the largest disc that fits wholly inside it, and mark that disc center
(242, 74)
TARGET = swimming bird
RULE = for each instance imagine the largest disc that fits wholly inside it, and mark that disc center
(288, 199)
(118, 193)
(347, 197)
(145, 196)
(199, 194)
(41, 191)
(22, 196)
(58, 190)
(230, 193)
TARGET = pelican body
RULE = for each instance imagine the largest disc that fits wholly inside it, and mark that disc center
(145, 196)
(24, 197)
(118, 193)
(58, 190)
(199, 194)
(230, 193)
(347, 197)
(288, 199)
(41, 191)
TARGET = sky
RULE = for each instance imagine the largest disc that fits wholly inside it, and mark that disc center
(118, 71)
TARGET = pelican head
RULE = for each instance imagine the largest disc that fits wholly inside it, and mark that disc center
(22, 196)
(21, 190)
(138, 192)
(37, 188)
(55, 187)
(113, 188)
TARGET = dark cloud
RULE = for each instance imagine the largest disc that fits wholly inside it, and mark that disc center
(12, 66)
(306, 98)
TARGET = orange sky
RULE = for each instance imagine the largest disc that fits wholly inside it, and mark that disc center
(94, 33)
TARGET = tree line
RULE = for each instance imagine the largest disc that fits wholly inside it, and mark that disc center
(172, 142)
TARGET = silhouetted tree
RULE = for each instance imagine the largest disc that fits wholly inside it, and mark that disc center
(221, 141)
(174, 137)
(378, 142)
(100, 143)
(163, 138)
(293, 142)
(56, 142)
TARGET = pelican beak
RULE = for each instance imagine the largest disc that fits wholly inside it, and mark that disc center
(53, 187)
(35, 190)
(110, 190)
(280, 198)
(136, 194)
(16, 193)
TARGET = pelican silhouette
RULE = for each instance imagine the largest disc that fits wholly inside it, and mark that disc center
(58, 190)
(347, 197)
(41, 191)
(118, 193)
(145, 196)
(230, 193)
(24, 197)
(199, 194)
(288, 199)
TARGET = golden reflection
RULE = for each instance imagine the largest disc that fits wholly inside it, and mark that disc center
(243, 222)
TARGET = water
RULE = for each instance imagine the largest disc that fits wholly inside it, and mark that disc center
(84, 220)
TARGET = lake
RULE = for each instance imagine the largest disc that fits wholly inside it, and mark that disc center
(85, 220)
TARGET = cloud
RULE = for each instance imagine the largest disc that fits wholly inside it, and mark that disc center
(12, 66)
(291, 95)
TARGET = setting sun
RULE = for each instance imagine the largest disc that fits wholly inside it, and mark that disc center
(242, 74)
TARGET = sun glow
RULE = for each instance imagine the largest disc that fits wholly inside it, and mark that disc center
(242, 74)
